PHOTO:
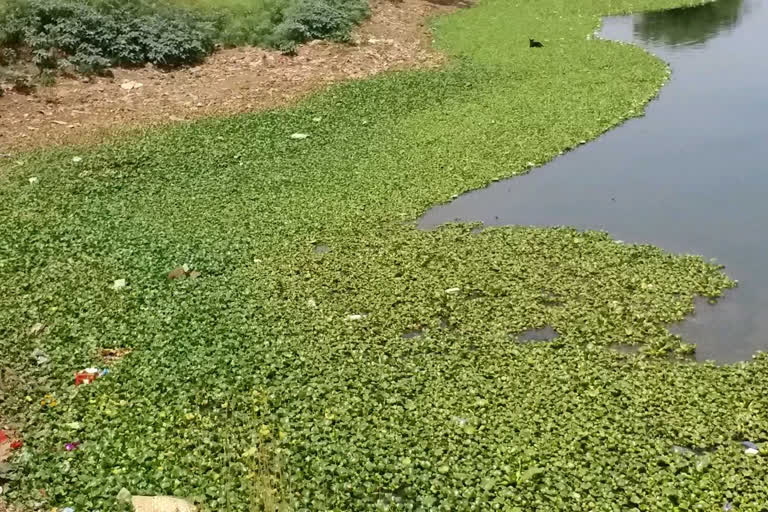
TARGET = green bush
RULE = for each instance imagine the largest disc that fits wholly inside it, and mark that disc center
(92, 36)
(305, 20)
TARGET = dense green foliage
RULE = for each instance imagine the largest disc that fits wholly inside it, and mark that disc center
(284, 349)
(93, 36)
(96, 34)
(280, 23)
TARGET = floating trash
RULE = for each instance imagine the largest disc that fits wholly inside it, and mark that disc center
(750, 445)
(34, 180)
(111, 355)
(355, 317)
(37, 329)
(299, 136)
(161, 504)
(40, 357)
(87, 376)
(119, 284)
(452, 291)
(70, 447)
(412, 334)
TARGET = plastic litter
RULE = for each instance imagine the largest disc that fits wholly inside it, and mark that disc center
(161, 504)
(70, 447)
(355, 317)
(3, 437)
(750, 444)
(77, 159)
(727, 506)
(68, 509)
(40, 357)
(119, 284)
(751, 451)
(37, 329)
(15, 445)
(34, 180)
(299, 136)
(453, 290)
(86, 376)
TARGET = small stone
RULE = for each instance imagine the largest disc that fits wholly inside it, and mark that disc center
(130, 85)
(453, 290)
(119, 284)
(34, 180)
(299, 136)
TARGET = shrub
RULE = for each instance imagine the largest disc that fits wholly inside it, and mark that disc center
(305, 20)
(92, 36)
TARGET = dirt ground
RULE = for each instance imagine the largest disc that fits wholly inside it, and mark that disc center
(231, 81)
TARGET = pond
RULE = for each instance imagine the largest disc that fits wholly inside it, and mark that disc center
(691, 176)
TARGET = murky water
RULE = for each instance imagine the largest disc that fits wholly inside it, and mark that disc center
(691, 176)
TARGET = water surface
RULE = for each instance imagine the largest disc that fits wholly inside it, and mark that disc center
(691, 176)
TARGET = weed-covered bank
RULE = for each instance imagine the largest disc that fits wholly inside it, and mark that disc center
(332, 356)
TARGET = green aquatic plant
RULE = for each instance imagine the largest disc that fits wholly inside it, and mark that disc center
(277, 338)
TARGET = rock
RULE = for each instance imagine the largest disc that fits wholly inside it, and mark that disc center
(130, 85)
(34, 180)
(161, 504)
(299, 136)
(119, 284)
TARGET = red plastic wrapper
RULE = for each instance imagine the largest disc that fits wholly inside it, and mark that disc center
(84, 378)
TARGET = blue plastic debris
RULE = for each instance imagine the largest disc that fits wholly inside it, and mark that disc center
(749, 444)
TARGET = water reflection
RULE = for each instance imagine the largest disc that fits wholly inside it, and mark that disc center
(682, 27)
(690, 176)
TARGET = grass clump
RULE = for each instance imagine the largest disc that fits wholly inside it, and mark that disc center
(275, 338)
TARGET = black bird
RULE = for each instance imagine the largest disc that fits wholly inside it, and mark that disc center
(534, 44)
